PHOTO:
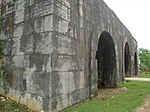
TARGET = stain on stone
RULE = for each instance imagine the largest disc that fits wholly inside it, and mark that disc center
(46, 103)
(54, 104)
(39, 61)
(75, 97)
(24, 85)
(55, 84)
(43, 82)
(18, 82)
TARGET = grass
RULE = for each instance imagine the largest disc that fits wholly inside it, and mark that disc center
(145, 74)
(7, 105)
(123, 102)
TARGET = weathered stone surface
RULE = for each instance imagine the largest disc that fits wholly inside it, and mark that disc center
(53, 54)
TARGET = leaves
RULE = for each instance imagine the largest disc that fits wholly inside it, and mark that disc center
(144, 56)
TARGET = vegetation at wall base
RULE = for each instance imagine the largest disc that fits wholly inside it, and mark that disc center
(7, 105)
(123, 102)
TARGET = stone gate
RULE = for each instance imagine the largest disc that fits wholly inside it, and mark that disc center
(59, 52)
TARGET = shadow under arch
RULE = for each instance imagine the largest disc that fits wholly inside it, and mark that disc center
(106, 61)
(127, 60)
(135, 64)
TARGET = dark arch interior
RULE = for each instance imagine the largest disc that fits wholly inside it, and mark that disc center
(106, 59)
(127, 60)
(135, 64)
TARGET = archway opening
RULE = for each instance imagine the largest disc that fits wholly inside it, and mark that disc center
(135, 64)
(106, 61)
(127, 61)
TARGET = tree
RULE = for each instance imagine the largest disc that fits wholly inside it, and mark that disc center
(144, 56)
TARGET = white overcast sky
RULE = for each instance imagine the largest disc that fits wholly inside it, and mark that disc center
(135, 15)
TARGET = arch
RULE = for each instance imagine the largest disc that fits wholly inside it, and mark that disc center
(135, 64)
(106, 61)
(127, 60)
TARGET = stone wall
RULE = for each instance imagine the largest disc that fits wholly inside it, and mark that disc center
(50, 48)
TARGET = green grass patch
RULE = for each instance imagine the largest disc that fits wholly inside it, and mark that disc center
(7, 105)
(122, 102)
(145, 74)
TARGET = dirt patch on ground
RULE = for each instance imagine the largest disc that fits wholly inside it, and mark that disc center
(104, 92)
(145, 107)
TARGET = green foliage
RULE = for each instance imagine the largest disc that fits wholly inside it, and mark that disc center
(145, 74)
(144, 56)
(123, 102)
(7, 105)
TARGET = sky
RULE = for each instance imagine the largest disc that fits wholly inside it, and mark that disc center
(135, 15)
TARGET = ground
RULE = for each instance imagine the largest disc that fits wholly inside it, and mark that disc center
(104, 92)
(146, 106)
(7, 105)
(106, 97)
